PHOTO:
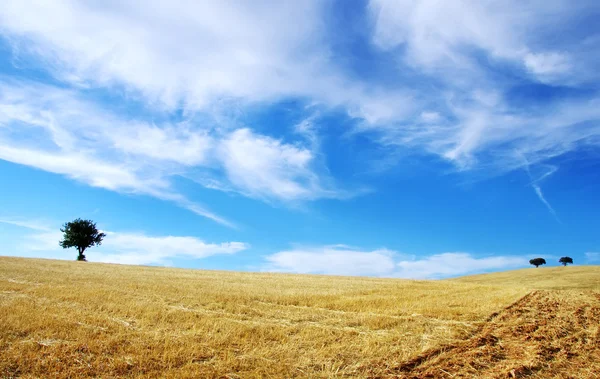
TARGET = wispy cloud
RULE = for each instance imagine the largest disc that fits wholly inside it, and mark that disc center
(87, 143)
(456, 264)
(135, 248)
(343, 260)
(450, 74)
(471, 53)
(41, 226)
(335, 260)
(260, 166)
(176, 56)
(442, 35)
(547, 66)
(592, 257)
(55, 130)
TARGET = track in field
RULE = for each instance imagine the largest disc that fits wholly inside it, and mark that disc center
(546, 334)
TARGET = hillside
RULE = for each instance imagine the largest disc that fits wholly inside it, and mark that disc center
(65, 319)
(544, 278)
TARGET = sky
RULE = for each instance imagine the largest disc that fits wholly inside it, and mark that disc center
(410, 139)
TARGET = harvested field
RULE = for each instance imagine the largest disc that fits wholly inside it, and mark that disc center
(544, 335)
(73, 319)
(547, 278)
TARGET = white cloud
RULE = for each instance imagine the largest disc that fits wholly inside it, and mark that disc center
(133, 248)
(173, 52)
(434, 31)
(265, 167)
(44, 242)
(98, 173)
(430, 117)
(77, 166)
(342, 260)
(334, 260)
(436, 34)
(444, 41)
(120, 247)
(547, 65)
(24, 223)
(192, 55)
(455, 264)
(484, 131)
(206, 58)
(172, 143)
(57, 130)
(54, 130)
(592, 256)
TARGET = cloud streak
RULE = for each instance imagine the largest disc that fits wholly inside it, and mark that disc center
(28, 224)
(538, 190)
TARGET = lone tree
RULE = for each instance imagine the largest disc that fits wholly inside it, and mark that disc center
(81, 234)
(565, 260)
(537, 261)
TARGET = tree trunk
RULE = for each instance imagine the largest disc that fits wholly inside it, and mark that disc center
(81, 257)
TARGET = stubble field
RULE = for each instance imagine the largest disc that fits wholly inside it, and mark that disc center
(74, 319)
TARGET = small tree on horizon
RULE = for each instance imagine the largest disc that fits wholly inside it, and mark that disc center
(81, 234)
(537, 262)
(565, 260)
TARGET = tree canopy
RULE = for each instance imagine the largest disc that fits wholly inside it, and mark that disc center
(566, 260)
(81, 234)
(537, 261)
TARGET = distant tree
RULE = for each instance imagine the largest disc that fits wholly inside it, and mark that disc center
(565, 260)
(81, 234)
(537, 261)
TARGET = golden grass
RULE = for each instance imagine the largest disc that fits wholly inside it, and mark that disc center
(547, 334)
(548, 278)
(73, 319)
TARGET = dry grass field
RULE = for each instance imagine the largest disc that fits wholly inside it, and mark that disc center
(543, 278)
(74, 319)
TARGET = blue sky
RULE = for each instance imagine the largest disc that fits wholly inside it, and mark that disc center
(386, 138)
